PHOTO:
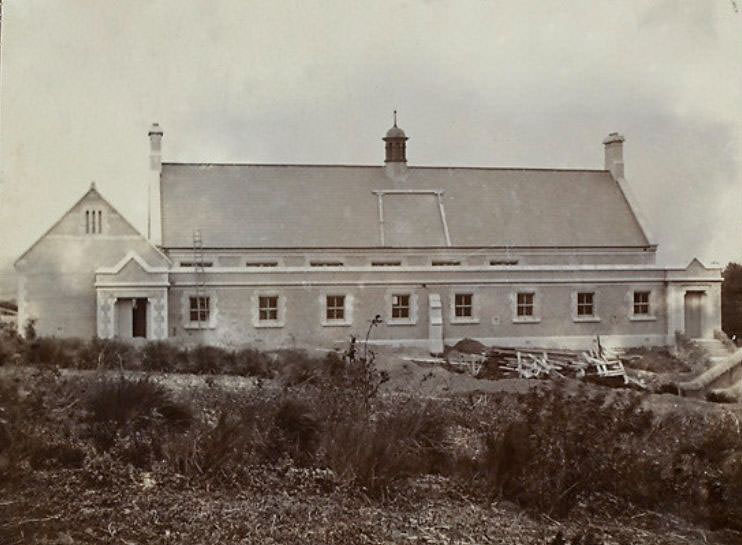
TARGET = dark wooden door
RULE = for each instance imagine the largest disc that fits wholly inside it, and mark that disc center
(139, 318)
(693, 318)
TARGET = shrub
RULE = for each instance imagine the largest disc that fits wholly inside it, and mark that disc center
(205, 360)
(297, 429)
(122, 400)
(29, 329)
(297, 367)
(565, 448)
(215, 451)
(504, 458)
(380, 454)
(558, 451)
(249, 362)
(163, 356)
(179, 416)
(52, 351)
(294, 366)
(133, 418)
(107, 354)
(11, 344)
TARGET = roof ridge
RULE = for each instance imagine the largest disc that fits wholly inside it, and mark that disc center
(430, 167)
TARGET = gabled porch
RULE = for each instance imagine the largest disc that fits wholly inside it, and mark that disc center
(132, 300)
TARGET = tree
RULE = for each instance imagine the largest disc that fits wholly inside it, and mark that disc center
(731, 300)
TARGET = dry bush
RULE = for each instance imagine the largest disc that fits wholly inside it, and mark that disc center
(210, 360)
(52, 351)
(296, 367)
(292, 366)
(249, 362)
(163, 356)
(121, 400)
(375, 456)
(11, 344)
(33, 427)
(222, 446)
(105, 354)
(563, 450)
(297, 429)
(132, 418)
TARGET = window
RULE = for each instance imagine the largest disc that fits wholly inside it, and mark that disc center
(93, 222)
(261, 264)
(400, 306)
(446, 263)
(198, 308)
(524, 304)
(463, 305)
(585, 304)
(335, 308)
(202, 264)
(268, 307)
(386, 263)
(495, 262)
(326, 263)
(641, 303)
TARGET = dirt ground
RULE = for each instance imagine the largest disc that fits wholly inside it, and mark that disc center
(112, 504)
(137, 508)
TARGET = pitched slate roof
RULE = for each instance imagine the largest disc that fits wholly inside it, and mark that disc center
(315, 206)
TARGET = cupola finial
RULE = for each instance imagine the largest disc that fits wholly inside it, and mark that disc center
(395, 144)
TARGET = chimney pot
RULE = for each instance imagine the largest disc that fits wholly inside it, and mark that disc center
(155, 129)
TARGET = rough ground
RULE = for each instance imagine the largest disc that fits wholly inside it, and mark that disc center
(127, 506)
(108, 502)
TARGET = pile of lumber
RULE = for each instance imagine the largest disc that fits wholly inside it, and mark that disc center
(539, 363)
(504, 362)
(471, 363)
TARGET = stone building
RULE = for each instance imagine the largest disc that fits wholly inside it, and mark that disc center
(306, 255)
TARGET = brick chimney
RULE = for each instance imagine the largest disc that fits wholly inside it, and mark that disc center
(154, 219)
(614, 154)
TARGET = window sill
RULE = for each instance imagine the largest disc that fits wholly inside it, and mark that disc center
(640, 318)
(526, 320)
(336, 323)
(268, 324)
(197, 326)
(585, 319)
(464, 321)
(398, 321)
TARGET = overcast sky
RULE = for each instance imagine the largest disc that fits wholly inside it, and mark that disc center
(483, 83)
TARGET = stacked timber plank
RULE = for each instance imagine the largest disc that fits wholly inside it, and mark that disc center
(471, 363)
(541, 363)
